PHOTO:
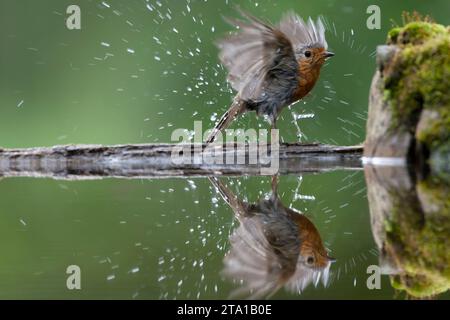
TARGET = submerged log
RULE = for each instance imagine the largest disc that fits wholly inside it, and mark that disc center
(76, 162)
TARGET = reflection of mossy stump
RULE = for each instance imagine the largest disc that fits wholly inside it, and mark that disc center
(409, 111)
(411, 226)
(409, 117)
(421, 232)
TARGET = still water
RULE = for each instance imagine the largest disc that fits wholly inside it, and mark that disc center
(168, 238)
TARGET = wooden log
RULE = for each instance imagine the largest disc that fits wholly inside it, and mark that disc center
(75, 162)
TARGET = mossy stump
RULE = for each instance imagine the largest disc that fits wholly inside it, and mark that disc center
(409, 105)
(409, 118)
(411, 226)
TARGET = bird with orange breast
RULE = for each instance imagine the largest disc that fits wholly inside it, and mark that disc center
(269, 66)
(273, 247)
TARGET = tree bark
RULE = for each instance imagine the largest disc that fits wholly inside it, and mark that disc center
(74, 162)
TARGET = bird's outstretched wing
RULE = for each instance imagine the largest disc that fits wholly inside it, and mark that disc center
(257, 260)
(257, 53)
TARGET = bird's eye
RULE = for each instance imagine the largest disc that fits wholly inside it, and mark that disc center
(310, 260)
(308, 54)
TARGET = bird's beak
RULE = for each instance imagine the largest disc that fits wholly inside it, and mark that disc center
(331, 260)
(328, 54)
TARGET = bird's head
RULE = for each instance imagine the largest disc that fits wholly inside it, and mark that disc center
(317, 259)
(312, 250)
(308, 40)
(313, 55)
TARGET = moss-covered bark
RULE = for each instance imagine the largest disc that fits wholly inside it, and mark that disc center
(409, 116)
(411, 226)
(420, 234)
(417, 82)
(413, 82)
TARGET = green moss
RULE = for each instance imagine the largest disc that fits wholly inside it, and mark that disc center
(393, 35)
(418, 286)
(387, 226)
(419, 78)
(437, 130)
(435, 192)
(418, 237)
(417, 89)
(415, 32)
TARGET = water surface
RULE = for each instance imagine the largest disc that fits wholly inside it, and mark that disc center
(167, 238)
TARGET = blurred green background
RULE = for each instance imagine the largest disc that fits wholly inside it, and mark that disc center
(134, 72)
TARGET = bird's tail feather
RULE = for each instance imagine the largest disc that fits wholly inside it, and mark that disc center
(237, 108)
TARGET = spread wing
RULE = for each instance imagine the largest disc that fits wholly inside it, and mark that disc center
(258, 259)
(256, 53)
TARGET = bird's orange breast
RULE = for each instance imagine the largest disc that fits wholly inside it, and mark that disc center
(308, 76)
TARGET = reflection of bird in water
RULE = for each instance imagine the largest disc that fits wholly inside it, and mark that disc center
(274, 246)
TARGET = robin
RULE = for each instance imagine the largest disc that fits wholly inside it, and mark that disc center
(271, 67)
(274, 246)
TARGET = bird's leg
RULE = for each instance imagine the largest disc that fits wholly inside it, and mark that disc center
(274, 184)
(237, 205)
(274, 187)
(273, 136)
